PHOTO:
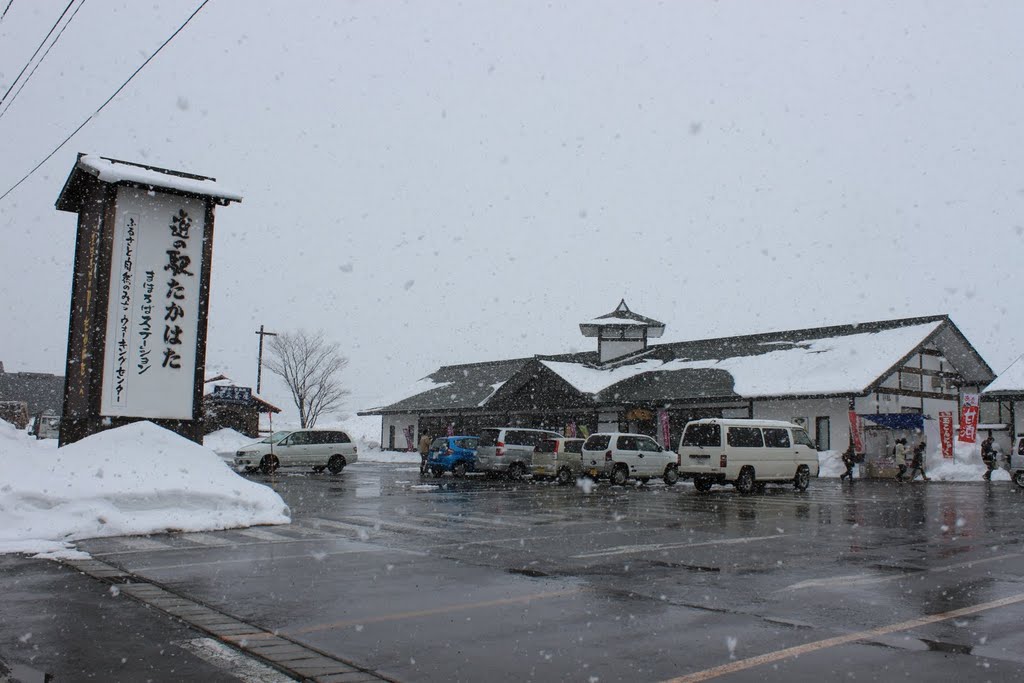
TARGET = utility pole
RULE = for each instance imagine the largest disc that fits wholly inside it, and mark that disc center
(259, 365)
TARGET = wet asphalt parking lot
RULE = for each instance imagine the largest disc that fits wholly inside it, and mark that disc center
(442, 580)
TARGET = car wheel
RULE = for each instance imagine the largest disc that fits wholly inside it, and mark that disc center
(1018, 478)
(336, 464)
(619, 475)
(564, 477)
(459, 470)
(702, 484)
(318, 469)
(745, 481)
(802, 479)
(269, 464)
(516, 471)
(671, 475)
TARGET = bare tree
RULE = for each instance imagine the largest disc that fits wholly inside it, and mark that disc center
(309, 367)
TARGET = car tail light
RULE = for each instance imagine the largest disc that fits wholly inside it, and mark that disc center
(499, 450)
(608, 456)
(679, 459)
(556, 448)
(721, 460)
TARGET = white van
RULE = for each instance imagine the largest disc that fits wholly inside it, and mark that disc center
(746, 453)
(321, 449)
(1017, 460)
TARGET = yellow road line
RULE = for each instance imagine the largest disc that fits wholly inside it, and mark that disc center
(430, 612)
(798, 650)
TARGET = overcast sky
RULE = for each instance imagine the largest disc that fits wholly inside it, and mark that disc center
(435, 183)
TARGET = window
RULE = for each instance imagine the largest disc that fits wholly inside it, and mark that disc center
(801, 439)
(468, 443)
(524, 438)
(776, 438)
(824, 432)
(648, 445)
(298, 439)
(628, 443)
(546, 446)
(489, 437)
(745, 437)
(703, 436)
(574, 446)
(439, 443)
(598, 442)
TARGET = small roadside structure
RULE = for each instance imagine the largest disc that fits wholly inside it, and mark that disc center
(228, 405)
(822, 379)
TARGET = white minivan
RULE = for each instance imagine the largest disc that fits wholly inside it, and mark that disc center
(321, 449)
(746, 453)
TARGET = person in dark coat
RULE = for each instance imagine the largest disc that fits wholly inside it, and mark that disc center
(424, 451)
(849, 459)
(917, 462)
(988, 456)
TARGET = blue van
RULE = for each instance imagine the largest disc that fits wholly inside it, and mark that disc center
(455, 454)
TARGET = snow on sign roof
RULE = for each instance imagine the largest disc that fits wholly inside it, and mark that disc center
(831, 365)
(1010, 380)
(113, 171)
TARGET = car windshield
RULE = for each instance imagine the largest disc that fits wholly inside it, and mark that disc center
(276, 436)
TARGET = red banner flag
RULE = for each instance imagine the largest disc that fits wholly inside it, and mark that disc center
(969, 418)
(856, 433)
(666, 432)
(946, 433)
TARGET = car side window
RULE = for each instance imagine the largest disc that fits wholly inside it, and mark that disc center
(598, 442)
(574, 446)
(628, 443)
(1020, 447)
(339, 437)
(703, 436)
(803, 439)
(648, 445)
(776, 438)
(745, 437)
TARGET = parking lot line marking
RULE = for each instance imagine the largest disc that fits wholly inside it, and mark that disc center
(433, 611)
(862, 579)
(798, 650)
(330, 553)
(647, 547)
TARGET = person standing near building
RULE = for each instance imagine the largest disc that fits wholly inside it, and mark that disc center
(988, 456)
(900, 451)
(424, 452)
(849, 458)
(917, 462)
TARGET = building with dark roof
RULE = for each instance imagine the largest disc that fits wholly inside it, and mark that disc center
(815, 377)
(41, 392)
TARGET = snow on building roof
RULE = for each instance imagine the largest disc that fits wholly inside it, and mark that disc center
(220, 380)
(454, 387)
(622, 316)
(830, 365)
(114, 171)
(843, 359)
(1009, 381)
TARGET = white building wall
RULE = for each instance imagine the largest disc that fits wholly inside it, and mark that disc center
(806, 412)
(608, 421)
(400, 423)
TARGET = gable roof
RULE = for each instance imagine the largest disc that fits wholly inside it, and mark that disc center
(824, 361)
(454, 387)
(220, 380)
(1009, 383)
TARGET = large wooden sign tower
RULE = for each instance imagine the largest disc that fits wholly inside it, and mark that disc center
(139, 297)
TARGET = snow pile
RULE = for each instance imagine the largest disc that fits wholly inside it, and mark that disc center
(224, 442)
(137, 479)
(966, 465)
(830, 464)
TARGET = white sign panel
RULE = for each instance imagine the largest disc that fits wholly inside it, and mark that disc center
(153, 313)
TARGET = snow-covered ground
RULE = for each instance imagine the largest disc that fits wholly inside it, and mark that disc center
(137, 479)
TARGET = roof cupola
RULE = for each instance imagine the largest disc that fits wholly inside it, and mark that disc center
(621, 332)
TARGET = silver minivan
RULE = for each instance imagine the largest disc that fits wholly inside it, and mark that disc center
(1017, 460)
(509, 450)
(321, 449)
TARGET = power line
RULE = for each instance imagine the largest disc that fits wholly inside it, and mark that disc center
(109, 99)
(52, 29)
(11, 2)
(30, 73)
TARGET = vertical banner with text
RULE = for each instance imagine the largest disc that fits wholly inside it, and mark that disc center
(969, 418)
(946, 433)
(666, 432)
(857, 432)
